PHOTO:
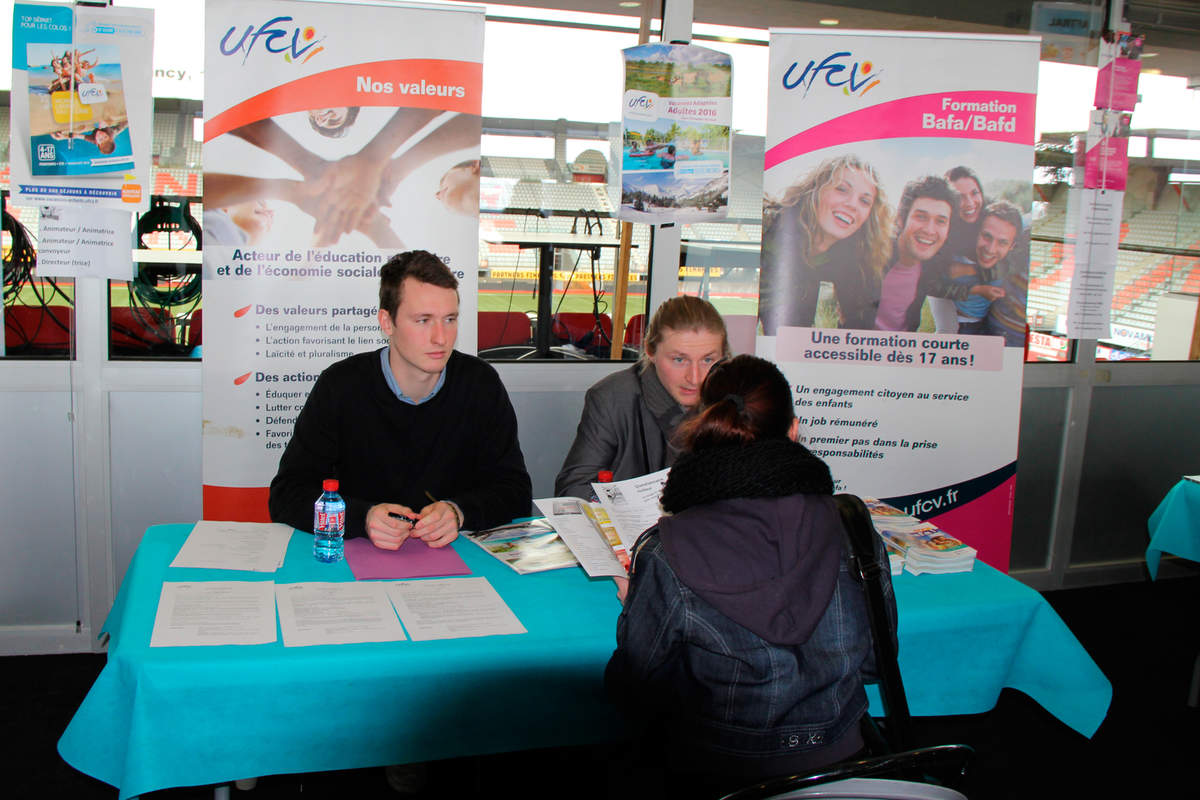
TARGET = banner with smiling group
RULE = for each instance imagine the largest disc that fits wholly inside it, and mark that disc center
(335, 136)
(895, 260)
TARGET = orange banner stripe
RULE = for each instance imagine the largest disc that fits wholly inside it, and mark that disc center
(414, 83)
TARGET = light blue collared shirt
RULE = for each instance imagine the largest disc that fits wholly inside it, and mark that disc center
(395, 387)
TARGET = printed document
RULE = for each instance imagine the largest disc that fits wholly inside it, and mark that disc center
(214, 613)
(252, 546)
(632, 504)
(576, 527)
(452, 608)
(335, 613)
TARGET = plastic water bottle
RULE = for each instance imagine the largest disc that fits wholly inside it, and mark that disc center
(329, 523)
(603, 476)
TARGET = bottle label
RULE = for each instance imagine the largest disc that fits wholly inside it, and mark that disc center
(331, 521)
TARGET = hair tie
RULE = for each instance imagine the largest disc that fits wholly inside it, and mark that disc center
(738, 401)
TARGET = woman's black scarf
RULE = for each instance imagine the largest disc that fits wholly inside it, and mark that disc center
(766, 468)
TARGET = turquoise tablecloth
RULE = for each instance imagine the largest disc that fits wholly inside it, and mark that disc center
(164, 717)
(1175, 525)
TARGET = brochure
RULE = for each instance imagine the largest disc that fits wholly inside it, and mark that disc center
(602, 534)
(527, 547)
(918, 546)
(78, 123)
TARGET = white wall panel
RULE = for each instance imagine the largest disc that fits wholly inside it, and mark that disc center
(38, 578)
(154, 464)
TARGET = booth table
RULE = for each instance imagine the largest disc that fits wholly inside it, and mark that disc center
(1175, 529)
(181, 716)
(1175, 525)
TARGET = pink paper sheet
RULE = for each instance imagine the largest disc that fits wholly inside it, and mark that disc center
(414, 559)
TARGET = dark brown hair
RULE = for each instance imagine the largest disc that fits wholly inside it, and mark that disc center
(420, 265)
(1005, 212)
(742, 400)
(934, 186)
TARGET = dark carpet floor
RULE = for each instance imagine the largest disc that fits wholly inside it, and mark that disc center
(1144, 636)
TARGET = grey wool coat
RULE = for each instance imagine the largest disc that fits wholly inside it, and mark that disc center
(628, 423)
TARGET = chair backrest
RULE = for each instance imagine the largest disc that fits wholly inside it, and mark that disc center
(865, 546)
(856, 780)
(195, 328)
(141, 328)
(497, 328)
(875, 789)
(38, 328)
(573, 326)
(635, 329)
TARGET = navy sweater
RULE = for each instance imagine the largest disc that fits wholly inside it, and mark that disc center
(461, 445)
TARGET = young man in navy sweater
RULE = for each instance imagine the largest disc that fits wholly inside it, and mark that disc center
(415, 429)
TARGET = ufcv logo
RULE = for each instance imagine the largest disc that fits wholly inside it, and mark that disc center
(293, 41)
(837, 70)
(641, 103)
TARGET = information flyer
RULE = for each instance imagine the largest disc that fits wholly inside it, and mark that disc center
(898, 175)
(81, 105)
(335, 136)
(675, 134)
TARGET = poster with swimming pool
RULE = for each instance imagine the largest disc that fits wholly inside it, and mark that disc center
(81, 105)
(335, 137)
(675, 134)
(897, 195)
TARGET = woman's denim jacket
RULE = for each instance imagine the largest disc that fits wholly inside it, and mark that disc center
(722, 693)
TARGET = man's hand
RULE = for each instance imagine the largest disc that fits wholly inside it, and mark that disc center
(438, 525)
(388, 533)
(346, 196)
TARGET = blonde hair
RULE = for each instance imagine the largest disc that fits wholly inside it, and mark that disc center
(683, 313)
(872, 242)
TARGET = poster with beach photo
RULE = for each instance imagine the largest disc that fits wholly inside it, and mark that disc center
(897, 196)
(676, 135)
(335, 137)
(81, 105)
(78, 123)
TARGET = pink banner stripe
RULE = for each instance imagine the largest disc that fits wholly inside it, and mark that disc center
(909, 117)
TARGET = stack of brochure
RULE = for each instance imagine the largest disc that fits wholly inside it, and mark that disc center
(918, 546)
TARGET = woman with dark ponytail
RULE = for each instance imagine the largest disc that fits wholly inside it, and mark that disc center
(742, 647)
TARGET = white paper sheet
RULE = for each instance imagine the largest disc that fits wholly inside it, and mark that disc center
(452, 608)
(84, 243)
(592, 550)
(197, 613)
(336, 613)
(1099, 233)
(632, 504)
(252, 546)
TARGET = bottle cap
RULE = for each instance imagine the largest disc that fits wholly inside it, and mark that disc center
(604, 476)
(330, 485)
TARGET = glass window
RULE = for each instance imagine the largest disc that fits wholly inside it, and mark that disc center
(39, 313)
(157, 314)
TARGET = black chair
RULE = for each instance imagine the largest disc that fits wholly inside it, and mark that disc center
(891, 744)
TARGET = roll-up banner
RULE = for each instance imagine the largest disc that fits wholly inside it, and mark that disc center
(895, 259)
(335, 136)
